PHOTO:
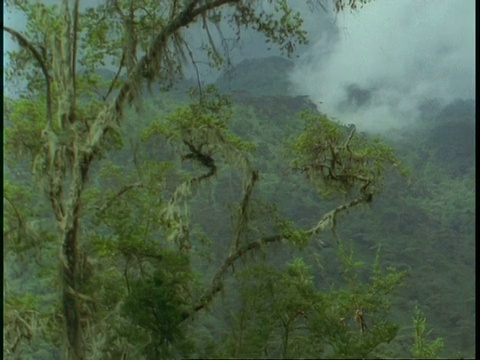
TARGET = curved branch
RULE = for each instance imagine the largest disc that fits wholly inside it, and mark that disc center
(329, 220)
(118, 194)
(19, 217)
(115, 78)
(183, 19)
(204, 159)
(216, 285)
(112, 112)
(23, 42)
(242, 222)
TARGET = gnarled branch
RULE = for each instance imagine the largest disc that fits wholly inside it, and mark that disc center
(327, 222)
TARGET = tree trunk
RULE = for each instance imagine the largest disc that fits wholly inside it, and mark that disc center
(72, 270)
(71, 305)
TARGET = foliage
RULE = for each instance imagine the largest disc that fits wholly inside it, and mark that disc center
(281, 313)
(202, 128)
(353, 4)
(340, 162)
(24, 125)
(158, 302)
(423, 348)
(66, 140)
(150, 235)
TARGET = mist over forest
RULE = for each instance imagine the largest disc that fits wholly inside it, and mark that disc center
(234, 197)
(389, 60)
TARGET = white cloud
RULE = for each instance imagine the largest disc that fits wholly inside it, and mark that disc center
(405, 51)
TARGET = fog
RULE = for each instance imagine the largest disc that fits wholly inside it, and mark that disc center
(372, 67)
(388, 58)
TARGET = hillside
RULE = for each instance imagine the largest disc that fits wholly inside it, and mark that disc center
(423, 223)
(426, 226)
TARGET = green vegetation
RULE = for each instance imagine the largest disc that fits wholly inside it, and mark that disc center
(151, 225)
(422, 348)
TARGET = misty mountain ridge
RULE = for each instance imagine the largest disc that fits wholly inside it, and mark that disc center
(263, 83)
(258, 76)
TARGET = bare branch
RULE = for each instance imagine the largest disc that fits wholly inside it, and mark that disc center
(81, 296)
(210, 38)
(197, 73)
(216, 284)
(347, 143)
(329, 220)
(203, 158)
(115, 78)
(118, 194)
(76, 14)
(242, 221)
(125, 272)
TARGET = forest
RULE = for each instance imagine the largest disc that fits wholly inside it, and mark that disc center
(149, 214)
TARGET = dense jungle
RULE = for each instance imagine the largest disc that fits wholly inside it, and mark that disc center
(151, 215)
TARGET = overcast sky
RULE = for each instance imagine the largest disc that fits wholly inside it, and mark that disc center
(373, 67)
(389, 57)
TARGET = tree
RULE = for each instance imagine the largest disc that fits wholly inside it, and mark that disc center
(60, 54)
(283, 315)
(423, 348)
